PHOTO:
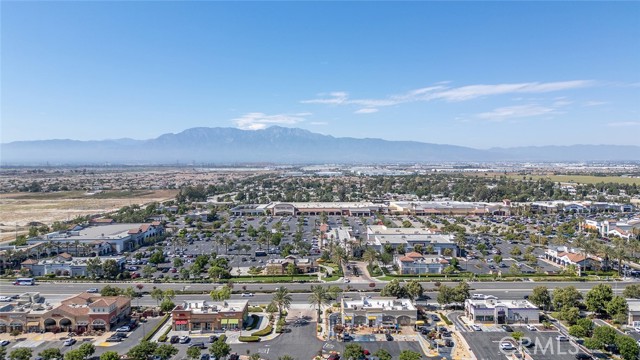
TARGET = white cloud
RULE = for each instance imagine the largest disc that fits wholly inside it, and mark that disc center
(441, 91)
(366, 111)
(259, 121)
(624, 124)
(517, 111)
(319, 123)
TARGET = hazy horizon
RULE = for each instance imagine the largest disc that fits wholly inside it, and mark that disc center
(473, 74)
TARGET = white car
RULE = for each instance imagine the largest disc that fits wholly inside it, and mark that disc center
(5, 298)
(184, 339)
(532, 328)
(505, 345)
(69, 342)
(93, 290)
(4, 342)
(562, 338)
(246, 295)
(476, 328)
(123, 329)
(477, 297)
(347, 280)
(636, 329)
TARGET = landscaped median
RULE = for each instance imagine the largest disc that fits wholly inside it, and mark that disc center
(249, 338)
(155, 329)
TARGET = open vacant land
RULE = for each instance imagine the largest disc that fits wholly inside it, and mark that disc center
(23, 208)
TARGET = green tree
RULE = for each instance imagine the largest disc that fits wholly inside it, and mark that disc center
(586, 324)
(220, 348)
(382, 354)
(598, 297)
(605, 334)
(193, 352)
(286, 357)
(319, 297)
(566, 297)
(618, 308)
(393, 288)
(592, 343)
(50, 354)
(223, 293)
(540, 297)
(108, 290)
(516, 251)
(94, 267)
(110, 355)
(20, 354)
(157, 295)
(352, 351)
(110, 268)
(497, 259)
(446, 295)
(570, 314)
(282, 298)
(413, 289)
(409, 355)
(627, 346)
(292, 270)
(142, 351)
(578, 331)
(75, 354)
(632, 291)
(87, 349)
(167, 305)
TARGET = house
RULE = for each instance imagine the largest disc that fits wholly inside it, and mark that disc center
(501, 311)
(378, 312)
(209, 316)
(416, 263)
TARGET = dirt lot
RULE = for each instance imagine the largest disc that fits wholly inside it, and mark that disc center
(22, 208)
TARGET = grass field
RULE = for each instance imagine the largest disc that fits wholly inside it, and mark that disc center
(578, 179)
(21, 208)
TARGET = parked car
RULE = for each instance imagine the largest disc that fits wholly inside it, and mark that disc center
(532, 328)
(5, 298)
(476, 328)
(213, 338)
(125, 328)
(507, 328)
(200, 345)
(204, 357)
(583, 356)
(114, 339)
(448, 342)
(562, 338)
(69, 342)
(4, 342)
(174, 339)
(184, 339)
(388, 337)
(505, 345)
(246, 295)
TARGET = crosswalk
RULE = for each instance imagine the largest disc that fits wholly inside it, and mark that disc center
(29, 343)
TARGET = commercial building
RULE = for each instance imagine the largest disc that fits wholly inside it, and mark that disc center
(422, 208)
(633, 318)
(408, 238)
(279, 266)
(625, 229)
(564, 256)
(79, 313)
(414, 263)
(209, 316)
(552, 207)
(378, 312)
(501, 311)
(66, 265)
(120, 237)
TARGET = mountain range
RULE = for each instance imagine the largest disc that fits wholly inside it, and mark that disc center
(284, 146)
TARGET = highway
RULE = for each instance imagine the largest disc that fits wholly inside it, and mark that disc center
(502, 290)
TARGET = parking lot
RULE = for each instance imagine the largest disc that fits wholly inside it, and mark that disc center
(486, 345)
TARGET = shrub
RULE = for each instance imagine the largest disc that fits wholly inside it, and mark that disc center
(156, 328)
(255, 309)
(163, 337)
(249, 338)
(445, 319)
(264, 332)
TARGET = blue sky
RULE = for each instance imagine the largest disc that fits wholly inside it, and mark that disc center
(478, 74)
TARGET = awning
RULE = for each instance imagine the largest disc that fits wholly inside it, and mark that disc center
(372, 317)
(233, 321)
(420, 322)
(33, 323)
(347, 318)
(181, 322)
(224, 321)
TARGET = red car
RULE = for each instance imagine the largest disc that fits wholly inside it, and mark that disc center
(334, 357)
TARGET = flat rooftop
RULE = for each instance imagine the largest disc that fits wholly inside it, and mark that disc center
(510, 304)
(378, 303)
(204, 307)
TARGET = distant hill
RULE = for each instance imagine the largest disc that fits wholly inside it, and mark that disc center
(282, 145)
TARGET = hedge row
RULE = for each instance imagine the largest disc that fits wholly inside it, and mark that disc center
(445, 319)
(163, 337)
(249, 338)
(155, 329)
(264, 332)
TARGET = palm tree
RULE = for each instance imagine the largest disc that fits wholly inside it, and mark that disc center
(282, 298)
(319, 296)
(370, 255)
